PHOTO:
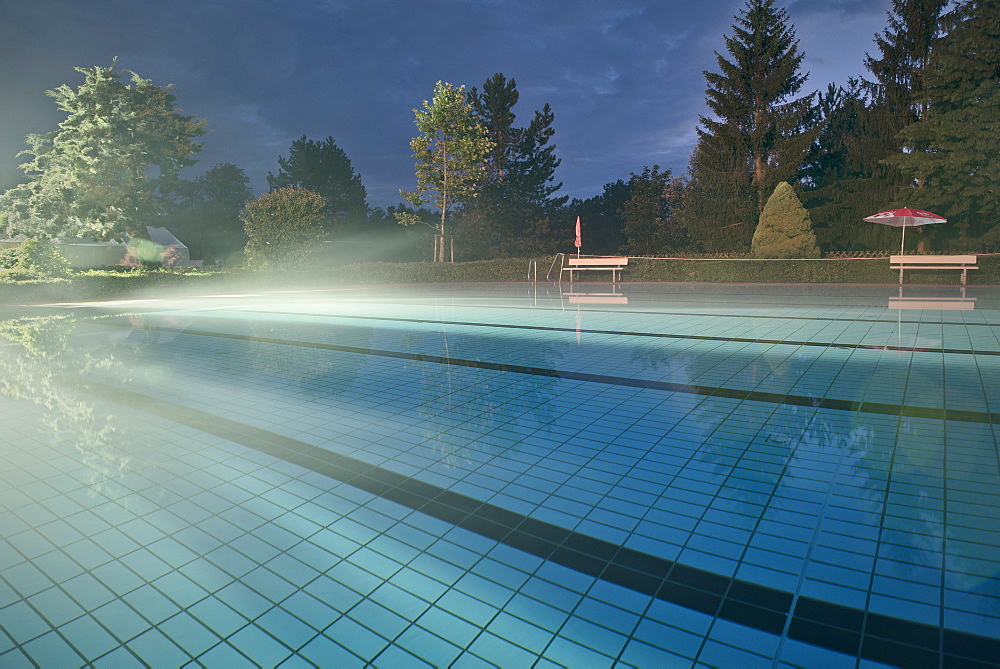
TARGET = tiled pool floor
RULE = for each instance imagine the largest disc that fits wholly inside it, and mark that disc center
(672, 476)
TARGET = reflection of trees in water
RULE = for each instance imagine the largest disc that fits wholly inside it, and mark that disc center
(32, 374)
(462, 408)
(303, 365)
(888, 469)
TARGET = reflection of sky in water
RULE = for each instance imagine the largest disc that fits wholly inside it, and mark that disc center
(165, 490)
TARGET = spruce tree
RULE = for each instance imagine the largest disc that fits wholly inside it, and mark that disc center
(650, 225)
(844, 180)
(850, 174)
(324, 168)
(513, 210)
(759, 132)
(784, 229)
(905, 50)
(958, 172)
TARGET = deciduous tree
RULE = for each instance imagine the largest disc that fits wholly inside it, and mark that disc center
(450, 152)
(96, 175)
(205, 213)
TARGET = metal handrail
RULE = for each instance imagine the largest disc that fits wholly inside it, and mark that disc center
(532, 264)
(548, 276)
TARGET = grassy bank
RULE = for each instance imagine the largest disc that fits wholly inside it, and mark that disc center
(18, 289)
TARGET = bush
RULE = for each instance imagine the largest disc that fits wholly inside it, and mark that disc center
(784, 229)
(42, 258)
(283, 226)
(9, 258)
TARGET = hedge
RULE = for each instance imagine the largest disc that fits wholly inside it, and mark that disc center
(18, 287)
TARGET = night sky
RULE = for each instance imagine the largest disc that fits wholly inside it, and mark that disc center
(623, 77)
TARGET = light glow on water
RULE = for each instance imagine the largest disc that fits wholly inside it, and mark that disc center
(510, 475)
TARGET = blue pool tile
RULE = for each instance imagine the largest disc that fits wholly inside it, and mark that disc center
(468, 608)
(429, 647)
(185, 631)
(217, 616)
(50, 650)
(58, 566)
(56, 605)
(393, 656)
(257, 644)
(357, 638)
(641, 654)
(568, 653)
(378, 618)
(448, 626)
(499, 651)
(91, 639)
(154, 644)
(224, 655)
(21, 622)
(27, 579)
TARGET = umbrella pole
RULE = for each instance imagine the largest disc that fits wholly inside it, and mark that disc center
(902, 243)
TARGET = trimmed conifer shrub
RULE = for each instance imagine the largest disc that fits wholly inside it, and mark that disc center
(784, 229)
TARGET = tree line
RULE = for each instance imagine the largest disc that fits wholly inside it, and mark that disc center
(918, 129)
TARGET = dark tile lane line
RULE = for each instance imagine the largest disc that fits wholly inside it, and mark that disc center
(935, 413)
(655, 335)
(836, 627)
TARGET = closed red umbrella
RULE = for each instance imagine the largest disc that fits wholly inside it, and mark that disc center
(905, 218)
(579, 240)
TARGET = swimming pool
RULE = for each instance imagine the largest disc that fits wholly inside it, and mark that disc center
(503, 475)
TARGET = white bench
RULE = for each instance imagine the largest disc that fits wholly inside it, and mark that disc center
(964, 263)
(612, 264)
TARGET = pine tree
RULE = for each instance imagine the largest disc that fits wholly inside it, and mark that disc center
(513, 211)
(324, 168)
(650, 225)
(958, 172)
(759, 133)
(784, 229)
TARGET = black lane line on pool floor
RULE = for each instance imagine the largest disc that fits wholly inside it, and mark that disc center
(592, 310)
(625, 333)
(840, 628)
(934, 413)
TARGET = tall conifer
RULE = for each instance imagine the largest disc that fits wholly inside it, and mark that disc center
(759, 132)
(851, 174)
(515, 205)
(958, 172)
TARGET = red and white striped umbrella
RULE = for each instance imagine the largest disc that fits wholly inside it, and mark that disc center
(905, 218)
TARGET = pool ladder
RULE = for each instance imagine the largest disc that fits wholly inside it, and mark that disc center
(533, 268)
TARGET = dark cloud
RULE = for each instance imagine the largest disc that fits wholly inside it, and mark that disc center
(624, 78)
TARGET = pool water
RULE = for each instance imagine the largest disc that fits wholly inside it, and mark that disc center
(486, 475)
